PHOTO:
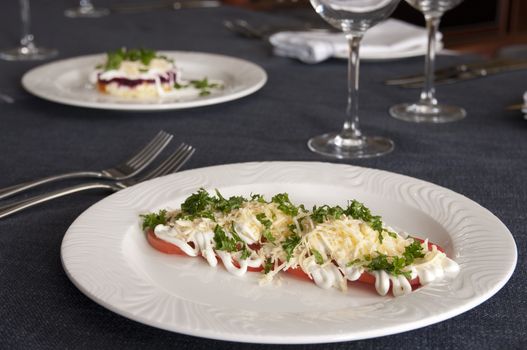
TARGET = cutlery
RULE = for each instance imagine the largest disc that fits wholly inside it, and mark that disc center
(125, 170)
(160, 5)
(6, 98)
(462, 72)
(170, 165)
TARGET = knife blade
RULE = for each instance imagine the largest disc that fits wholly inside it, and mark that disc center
(461, 72)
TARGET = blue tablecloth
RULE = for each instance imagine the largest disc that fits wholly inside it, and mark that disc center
(483, 157)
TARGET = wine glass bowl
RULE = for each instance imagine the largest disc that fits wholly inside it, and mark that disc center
(428, 109)
(354, 18)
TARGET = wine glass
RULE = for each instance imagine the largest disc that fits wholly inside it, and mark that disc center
(27, 50)
(354, 18)
(427, 109)
(86, 9)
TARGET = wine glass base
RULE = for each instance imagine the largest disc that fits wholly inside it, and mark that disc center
(331, 145)
(425, 113)
(27, 53)
(91, 12)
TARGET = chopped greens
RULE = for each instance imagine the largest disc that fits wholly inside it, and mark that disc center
(268, 265)
(115, 58)
(203, 85)
(412, 251)
(227, 205)
(201, 204)
(318, 257)
(391, 264)
(359, 211)
(290, 244)
(325, 212)
(395, 264)
(267, 227)
(151, 220)
(223, 242)
(284, 204)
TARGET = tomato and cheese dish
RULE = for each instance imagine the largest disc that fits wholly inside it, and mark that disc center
(143, 74)
(328, 245)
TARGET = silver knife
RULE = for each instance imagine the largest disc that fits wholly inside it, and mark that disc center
(462, 72)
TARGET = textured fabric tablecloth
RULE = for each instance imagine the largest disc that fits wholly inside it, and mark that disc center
(483, 157)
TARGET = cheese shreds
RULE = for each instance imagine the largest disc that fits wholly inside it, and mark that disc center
(330, 246)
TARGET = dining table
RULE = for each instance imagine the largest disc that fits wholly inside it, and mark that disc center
(482, 157)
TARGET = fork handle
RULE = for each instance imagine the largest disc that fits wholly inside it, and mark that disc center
(12, 190)
(17, 206)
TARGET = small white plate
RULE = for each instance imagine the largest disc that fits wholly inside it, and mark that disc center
(107, 257)
(67, 82)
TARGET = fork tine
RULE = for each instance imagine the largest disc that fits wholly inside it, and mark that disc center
(178, 158)
(177, 153)
(178, 163)
(152, 149)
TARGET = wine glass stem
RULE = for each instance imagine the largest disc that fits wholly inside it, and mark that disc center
(27, 40)
(351, 130)
(428, 93)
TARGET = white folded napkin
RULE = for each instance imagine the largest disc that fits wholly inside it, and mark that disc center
(312, 47)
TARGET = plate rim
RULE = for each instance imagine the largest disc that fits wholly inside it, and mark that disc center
(146, 107)
(303, 339)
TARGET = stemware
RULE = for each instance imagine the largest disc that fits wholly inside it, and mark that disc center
(27, 49)
(354, 18)
(427, 109)
(86, 9)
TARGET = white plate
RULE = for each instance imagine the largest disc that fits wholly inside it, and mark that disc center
(67, 81)
(106, 256)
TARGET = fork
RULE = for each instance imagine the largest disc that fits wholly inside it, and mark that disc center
(123, 171)
(170, 165)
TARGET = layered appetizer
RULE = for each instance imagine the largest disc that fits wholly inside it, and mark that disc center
(144, 74)
(332, 246)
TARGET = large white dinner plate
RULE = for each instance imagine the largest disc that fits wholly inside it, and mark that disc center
(68, 82)
(106, 256)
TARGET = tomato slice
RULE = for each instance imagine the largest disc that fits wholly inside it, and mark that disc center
(169, 248)
(161, 245)
(365, 277)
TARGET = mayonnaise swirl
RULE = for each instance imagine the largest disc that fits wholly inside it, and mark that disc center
(330, 252)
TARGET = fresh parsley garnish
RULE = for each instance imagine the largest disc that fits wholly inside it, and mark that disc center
(290, 244)
(203, 85)
(284, 204)
(202, 205)
(325, 212)
(359, 211)
(151, 220)
(115, 58)
(268, 265)
(230, 244)
(412, 251)
(266, 233)
(318, 257)
(223, 242)
(395, 264)
(353, 262)
(227, 205)
(199, 204)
